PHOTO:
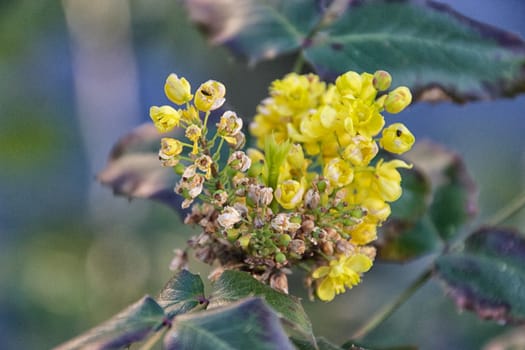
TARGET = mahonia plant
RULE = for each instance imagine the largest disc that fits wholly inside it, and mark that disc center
(312, 193)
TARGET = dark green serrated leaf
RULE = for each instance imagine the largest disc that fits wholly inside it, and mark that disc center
(247, 324)
(133, 324)
(255, 29)
(488, 275)
(435, 51)
(236, 285)
(401, 241)
(454, 199)
(183, 292)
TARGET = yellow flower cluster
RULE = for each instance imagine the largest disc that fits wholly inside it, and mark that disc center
(341, 129)
(314, 192)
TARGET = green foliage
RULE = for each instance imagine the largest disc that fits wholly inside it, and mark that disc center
(133, 324)
(427, 46)
(247, 324)
(235, 285)
(251, 322)
(439, 197)
(183, 292)
(488, 274)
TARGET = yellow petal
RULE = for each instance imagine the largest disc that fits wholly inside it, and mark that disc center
(326, 290)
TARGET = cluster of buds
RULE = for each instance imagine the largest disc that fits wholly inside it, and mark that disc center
(312, 194)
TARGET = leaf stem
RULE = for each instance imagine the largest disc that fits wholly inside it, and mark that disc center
(389, 309)
(506, 212)
(153, 340)
(298, 64)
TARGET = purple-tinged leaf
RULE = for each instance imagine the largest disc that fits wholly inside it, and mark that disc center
(454, 194)
(247, 324)
(437, 52)
(134, 170)
(259, 30)
(488, 275)
(133, 324)
(183, 292)
(236, 285)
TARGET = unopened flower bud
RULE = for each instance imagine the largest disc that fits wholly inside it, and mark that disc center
(327, 247)
(177, 90)
(349, 84)
(280, 258)
(265, 196)
(382, 80)
(244, 240)
(312, 199)
(398, 99)
(397, 139)
(296, 156)
(284, 239)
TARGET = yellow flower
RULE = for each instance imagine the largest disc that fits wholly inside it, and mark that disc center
(165, 118)
(210, 96)
(193, 133)
(289, 194)
(388, 179)
(349, 84)
(363, 233)
(398, 99)
(360, 151)
(343, 272)
(338, 172)
(169, 150)
(177, 90)
(397, 139)
(366, 119)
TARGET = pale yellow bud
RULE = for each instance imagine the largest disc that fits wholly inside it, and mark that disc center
(398, 99)
(177, 90)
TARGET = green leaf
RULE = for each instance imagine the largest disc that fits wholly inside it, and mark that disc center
(454, 199)
(236, 285)
(247, 324)
(256, 29)
(414, 201)
(133, 324)
(401, 241)
(425, 45)
(133, 169)
(488, 275)
(183, 292)
(322, 344)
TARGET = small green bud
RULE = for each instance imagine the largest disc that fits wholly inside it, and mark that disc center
(357, 213)
(256, 169)
(179, 168)
(280, 258)
(382, 80)
(232, 234)
(285, 239)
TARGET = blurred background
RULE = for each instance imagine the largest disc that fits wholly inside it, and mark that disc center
(75, 75)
